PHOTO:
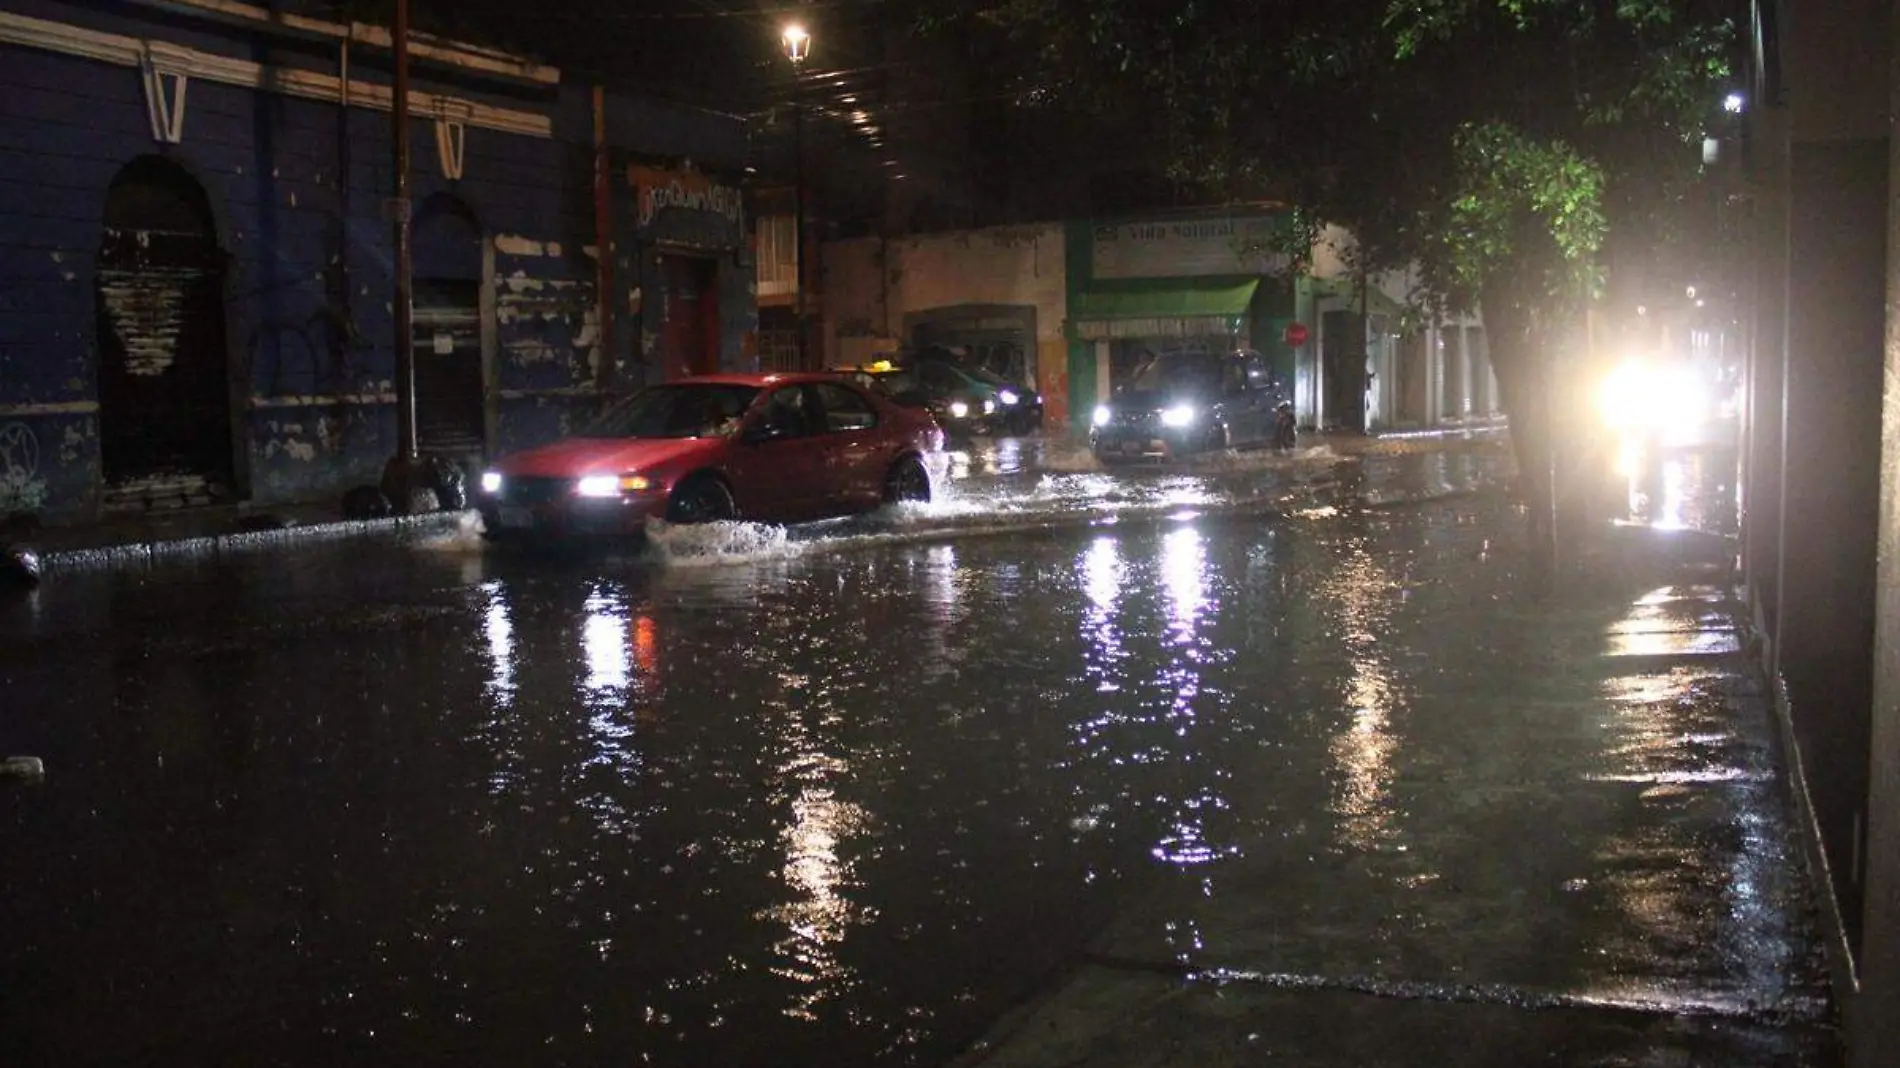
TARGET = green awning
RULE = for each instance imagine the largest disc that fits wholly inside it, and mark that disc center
(1188, 308)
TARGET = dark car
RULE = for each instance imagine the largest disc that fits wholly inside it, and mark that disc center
(777, 448)
(1018, 410)
(962, 403)
(1178, 404)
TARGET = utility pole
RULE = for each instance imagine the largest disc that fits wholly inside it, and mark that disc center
(399, 476)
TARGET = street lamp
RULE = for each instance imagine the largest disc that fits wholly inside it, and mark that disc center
(797, 47)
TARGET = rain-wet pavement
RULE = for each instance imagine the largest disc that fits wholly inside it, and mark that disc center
(1179, 766)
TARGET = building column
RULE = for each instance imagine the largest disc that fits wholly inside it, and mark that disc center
(1874, 1016)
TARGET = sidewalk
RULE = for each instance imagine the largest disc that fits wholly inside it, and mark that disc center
(131, 540)
(134, 540)
(1654, 914)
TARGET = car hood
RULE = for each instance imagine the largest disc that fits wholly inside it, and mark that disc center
(1157, 400)
(603, 456)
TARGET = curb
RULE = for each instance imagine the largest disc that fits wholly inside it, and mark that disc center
(147, 553)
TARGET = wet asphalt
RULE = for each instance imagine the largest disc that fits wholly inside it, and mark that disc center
(1265, 759)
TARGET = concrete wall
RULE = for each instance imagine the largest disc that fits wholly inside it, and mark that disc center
(1821, 510)
(298, 185)
(871, 285)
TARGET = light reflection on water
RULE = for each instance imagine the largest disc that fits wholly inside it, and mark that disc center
(1362, 593)
(499, 628)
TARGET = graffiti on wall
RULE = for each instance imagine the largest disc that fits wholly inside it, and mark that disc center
(21, 487)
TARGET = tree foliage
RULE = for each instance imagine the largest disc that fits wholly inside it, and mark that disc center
(1474, 139)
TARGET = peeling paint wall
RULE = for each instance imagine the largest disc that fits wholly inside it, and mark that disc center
(299, 187)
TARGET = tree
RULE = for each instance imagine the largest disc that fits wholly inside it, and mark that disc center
(1500, 147)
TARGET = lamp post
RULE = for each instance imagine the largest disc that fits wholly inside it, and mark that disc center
(797, 47)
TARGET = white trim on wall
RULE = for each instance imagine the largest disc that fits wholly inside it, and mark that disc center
(421, 45)
(119, 50)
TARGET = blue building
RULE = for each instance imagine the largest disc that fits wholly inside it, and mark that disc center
(196, 283)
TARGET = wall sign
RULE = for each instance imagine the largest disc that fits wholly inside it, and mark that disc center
(688, 190)
(1186, 248)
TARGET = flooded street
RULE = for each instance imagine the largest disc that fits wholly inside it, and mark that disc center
(850, 794)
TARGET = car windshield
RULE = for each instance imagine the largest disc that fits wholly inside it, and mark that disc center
(676, 411)
(1168, 374)
(984, 374)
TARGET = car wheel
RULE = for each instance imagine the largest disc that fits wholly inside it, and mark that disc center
(701, 499)
(908, 481)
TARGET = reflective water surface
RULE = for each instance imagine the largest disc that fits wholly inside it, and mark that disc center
(845, 796)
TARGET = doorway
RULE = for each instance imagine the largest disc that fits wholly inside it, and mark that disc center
(446, 330)
(689, 336)
(166, 437)
(1343, 370)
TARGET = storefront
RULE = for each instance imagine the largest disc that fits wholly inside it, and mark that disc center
(693, 280)
(1158, 286)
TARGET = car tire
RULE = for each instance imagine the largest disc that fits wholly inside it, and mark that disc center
(701, 499)
(907, 481)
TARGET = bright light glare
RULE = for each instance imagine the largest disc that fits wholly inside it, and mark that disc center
(1102, 415)
(1732, 103)
(797, 42)
(491, 481)
(1179, 415)
(1008, 396)
(1637, 396)
(959, 410)
(599, 486)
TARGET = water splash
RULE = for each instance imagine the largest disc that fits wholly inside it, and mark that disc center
(465, 538)
(716, 544)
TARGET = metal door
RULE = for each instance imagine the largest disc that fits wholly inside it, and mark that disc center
(689, 335)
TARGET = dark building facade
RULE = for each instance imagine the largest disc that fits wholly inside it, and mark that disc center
(196, 253)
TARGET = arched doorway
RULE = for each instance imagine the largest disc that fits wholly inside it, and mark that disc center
(447, 329)
(165, 430)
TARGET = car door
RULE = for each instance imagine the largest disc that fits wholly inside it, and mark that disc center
(852, 461)
(1238, 407)
(777, 468)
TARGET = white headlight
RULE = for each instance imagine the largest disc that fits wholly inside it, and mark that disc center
(1102, 415)
(491, 481)
(598, 486)
(1008, 397)
(958, 409)
(989, 406)
(1179, 415)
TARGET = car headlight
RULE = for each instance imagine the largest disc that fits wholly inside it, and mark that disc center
(611, 485)
(958, 409)
(1008, 397)
(491, 481)
(988, 406)
(1102, 415)
(1179, 415)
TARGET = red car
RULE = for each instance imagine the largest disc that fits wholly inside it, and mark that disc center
(776, 448)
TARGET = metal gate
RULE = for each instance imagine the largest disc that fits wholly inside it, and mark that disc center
(165, 429)
(447, 342)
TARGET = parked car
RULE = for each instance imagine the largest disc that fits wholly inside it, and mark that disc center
(1179, 404)
(767, 447)
(965, 401)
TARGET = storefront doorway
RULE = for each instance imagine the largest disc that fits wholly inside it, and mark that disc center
(689, 335)
(166, 437)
